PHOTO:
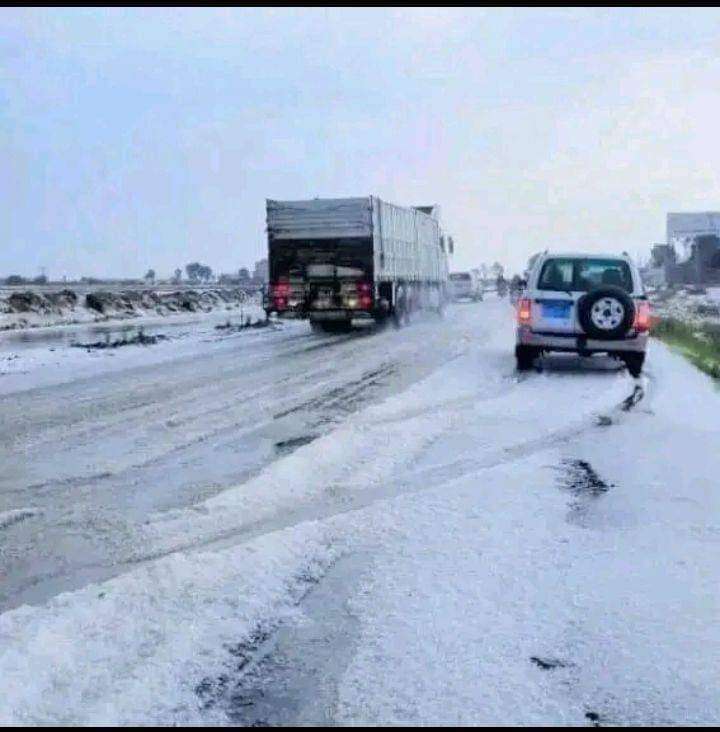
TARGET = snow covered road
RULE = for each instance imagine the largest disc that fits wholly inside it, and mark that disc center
(277, 527)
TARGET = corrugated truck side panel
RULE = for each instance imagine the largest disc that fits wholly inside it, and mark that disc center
(406, 244)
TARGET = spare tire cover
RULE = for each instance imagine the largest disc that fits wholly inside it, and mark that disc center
(606, 313)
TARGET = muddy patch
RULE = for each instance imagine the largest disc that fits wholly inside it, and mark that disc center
(138, 339)
(634, 399)
(548, 664)
(581, 479)
(288, 673)
(285, 447)
(586, 487)
(209, 690)
(247, 324)
(594, 718)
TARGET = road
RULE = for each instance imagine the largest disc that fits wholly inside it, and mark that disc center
(94, 452)
(278, 527)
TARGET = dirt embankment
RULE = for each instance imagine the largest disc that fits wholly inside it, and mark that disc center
(32, 308)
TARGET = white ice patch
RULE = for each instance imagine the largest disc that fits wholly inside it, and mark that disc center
(133, 649)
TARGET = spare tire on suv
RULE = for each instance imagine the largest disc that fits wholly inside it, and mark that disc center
(606, 313)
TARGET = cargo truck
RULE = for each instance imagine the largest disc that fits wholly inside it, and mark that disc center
(345, 261)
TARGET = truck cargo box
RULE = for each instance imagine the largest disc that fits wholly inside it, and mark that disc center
(343, 257)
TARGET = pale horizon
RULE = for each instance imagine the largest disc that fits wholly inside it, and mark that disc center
(150, 138)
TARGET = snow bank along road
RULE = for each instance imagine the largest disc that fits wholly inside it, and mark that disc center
(277, 527)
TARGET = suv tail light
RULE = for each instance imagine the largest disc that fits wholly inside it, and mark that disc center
(524, 311)
(642, 317)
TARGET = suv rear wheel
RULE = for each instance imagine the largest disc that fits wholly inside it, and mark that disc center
(524, 356)
(634, 362)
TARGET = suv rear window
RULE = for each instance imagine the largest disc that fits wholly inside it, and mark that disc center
(581, 275)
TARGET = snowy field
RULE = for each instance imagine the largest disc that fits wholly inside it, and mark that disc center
(271, 526)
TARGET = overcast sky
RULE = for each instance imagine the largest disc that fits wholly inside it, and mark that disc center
(151, 137)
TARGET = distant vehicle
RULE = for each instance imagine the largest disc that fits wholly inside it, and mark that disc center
(345, 261)
(465, 286)
(586, 304)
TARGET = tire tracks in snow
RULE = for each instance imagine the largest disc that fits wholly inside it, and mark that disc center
(111, 539)
(330, 502)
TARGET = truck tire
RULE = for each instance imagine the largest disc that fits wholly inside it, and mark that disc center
(399, 310)
(408, 311)
(606, 313)
(524, 356)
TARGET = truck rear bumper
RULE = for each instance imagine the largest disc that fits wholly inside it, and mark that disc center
(575, 343)
(327, 315)
(290, 314)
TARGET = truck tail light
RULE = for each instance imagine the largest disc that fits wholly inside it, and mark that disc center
(281, 289)
(524, 311)
(364, 290)
(642, 317)
(280, 293)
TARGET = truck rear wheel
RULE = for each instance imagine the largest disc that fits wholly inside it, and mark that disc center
(408, 312)
(399, 311)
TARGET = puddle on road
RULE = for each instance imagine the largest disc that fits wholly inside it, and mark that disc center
(140, 338)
